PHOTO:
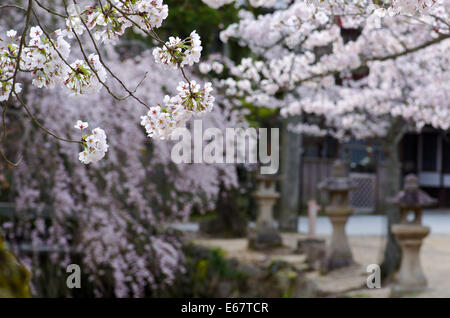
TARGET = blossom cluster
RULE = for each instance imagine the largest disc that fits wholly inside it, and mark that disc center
(146, 13)
(410, 7)
(47, 59)
(43, 57)
(215, 66)
(161, 121)
(308, 129)
(109, 21)
(299, 51)
(8, 58)
(254, 3)
(127, 226)
(85, 77)
(95, 146)
(177, 52)
(217, 3)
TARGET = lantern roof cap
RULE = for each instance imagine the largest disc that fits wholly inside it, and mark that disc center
(339, 180)
(412, 196)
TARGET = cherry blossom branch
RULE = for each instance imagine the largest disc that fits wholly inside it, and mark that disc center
(379, 58)
(130, 93)
(80, 45)
(34, 119)
(69, 65)
(156, 38)
(51, 42)
(14, 79)
(440, 19)
(411, 50)
(433, 26)
(21, 45)
(13, 91)
(46, 58)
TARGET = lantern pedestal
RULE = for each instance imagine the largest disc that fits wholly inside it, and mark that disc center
(264, 236)
(338, 253)
(338, 186)
(410, 278)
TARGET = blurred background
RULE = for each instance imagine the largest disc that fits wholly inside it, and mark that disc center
(139, 225)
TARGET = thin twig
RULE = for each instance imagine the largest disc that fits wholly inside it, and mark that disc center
(68, 64)
(14, 78)
(41, 126)
(14, 164)
(155, 37)
(12, 6)
(130, 93)
(51, 11)
(21, 45)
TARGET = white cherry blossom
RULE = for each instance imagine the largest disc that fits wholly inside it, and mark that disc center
(83, 78)
(95, 146)
(177, 52)
(81, 125)
(191, 100)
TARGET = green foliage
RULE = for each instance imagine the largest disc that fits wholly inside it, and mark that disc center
(207, 274)
(261, 116)
(14, 277)
(186, 16)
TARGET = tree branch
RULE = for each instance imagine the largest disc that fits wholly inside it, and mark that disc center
(40, 125)
(12, 6)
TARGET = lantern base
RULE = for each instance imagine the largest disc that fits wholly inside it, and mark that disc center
(338, 253)
(314, 249)
(410, 277)
(264, 239)
(336, 260)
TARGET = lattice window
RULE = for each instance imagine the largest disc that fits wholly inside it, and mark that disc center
(363, 197)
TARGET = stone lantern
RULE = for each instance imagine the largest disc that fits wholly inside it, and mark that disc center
(265, 236)
(410, 234)
(338, 186)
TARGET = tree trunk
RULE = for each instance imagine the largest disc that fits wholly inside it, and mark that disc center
(230, 220)
(392, 253)
(290, 183)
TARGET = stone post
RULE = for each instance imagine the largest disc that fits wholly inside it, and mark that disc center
(312, 246)
(313, 207)
(265, 236)
(410, 234)
(338, 252)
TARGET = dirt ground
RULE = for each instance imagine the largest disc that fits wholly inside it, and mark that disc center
(435, 258)
(350, 282)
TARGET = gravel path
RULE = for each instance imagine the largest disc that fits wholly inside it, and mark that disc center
(367, 249)
(435, 258)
